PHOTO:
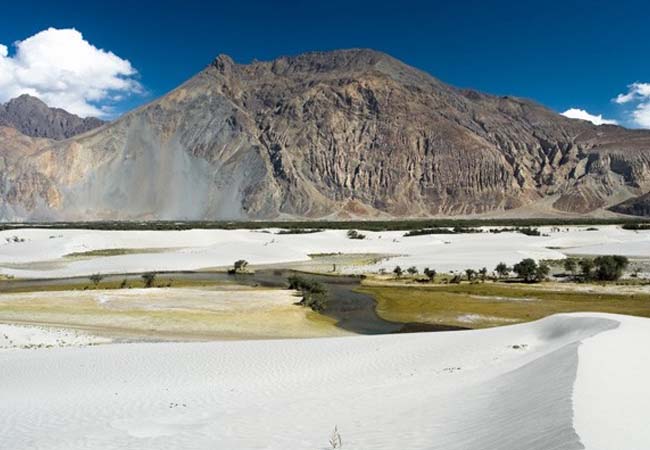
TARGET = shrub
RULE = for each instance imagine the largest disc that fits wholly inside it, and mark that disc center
(471, 273)
(96, 278)
(502, 270)
(483, 274)
(148, 279)
(586, 266)
(354, 234)
(430, 273)
(314, 294)
(412, 270)
(570, 265)
(398, 271)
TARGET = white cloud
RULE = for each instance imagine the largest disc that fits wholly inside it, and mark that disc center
(639, 95)
(64, 70)
(575, 113)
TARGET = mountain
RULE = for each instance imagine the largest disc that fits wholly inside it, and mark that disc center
(350, 133)
(32, 117)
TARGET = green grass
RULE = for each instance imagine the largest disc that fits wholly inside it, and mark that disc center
(134, 283)
(491, 304)
(114, 252)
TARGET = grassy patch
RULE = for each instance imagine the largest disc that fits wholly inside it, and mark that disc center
(114, 252)
(489, 304)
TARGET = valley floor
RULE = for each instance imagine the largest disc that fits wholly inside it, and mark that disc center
(113, 365)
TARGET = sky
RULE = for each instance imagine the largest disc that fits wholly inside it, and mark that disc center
(586, 58)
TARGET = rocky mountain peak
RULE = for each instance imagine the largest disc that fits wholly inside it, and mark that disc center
(32, 117)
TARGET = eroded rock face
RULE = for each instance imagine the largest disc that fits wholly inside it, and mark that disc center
(32, 117)
(351, 133)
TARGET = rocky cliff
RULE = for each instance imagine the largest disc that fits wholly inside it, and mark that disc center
(351, 133)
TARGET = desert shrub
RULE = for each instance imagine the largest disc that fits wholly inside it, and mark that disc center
(148, 279)
(354, 234)
(96, 278)
(430, 273)
(314, 294)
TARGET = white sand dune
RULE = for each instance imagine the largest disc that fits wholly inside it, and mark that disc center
(565, 382)
(42, 251)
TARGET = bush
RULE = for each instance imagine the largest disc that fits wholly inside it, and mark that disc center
(412, 270)
(314, 294)
(354, 234)
(398, 271)
(430, 273)
(96, 278)
(148, 279)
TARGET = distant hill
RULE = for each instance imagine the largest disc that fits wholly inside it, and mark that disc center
(32, 117)
(342, 134)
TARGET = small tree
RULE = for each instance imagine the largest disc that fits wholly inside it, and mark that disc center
(483, 274)
(526, 269)
(240, 265)
(96, 278)
(430, 273)
(611, 267)
(502, 270)
(586, 267)
(543, 270)
(471, 273)
(148, 279)
(570, 265)
(412, 270)
(398, 271)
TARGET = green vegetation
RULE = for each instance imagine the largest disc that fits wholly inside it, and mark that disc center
(369, 225)
(114, 252)
(489, 304)
(96, 278)
(240, 266)
(529, 271)
(148, 279)
(299, 231)
(354, 234)
(314, 294)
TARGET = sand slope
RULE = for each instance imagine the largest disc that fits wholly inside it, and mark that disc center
(542, 385)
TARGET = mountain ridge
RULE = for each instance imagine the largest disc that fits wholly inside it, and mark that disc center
(351, 133)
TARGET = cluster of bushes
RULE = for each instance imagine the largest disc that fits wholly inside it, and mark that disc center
(299, 230)
(528, 231)
(148, 280)
(636, 226)
(442, 230)
(601, 268)
(530, 271)
(314, 294)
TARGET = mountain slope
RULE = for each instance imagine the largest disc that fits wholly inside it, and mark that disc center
(32, 117)
(344, 133)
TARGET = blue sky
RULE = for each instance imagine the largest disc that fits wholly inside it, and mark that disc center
(564, 54)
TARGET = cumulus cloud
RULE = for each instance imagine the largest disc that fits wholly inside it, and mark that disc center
(575, 113)
(638, 94)
(64, 70)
